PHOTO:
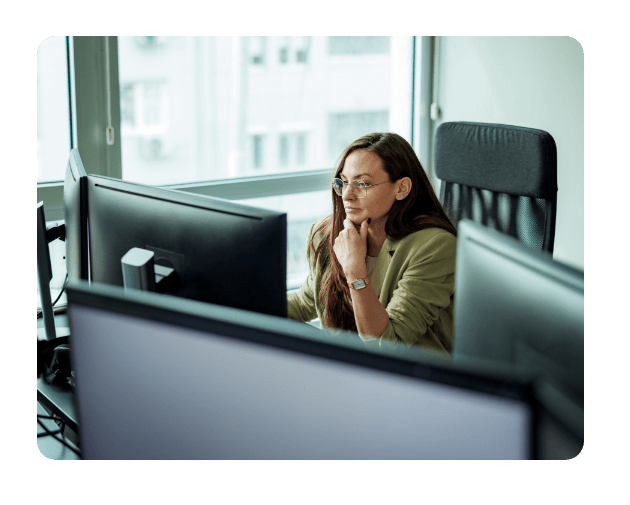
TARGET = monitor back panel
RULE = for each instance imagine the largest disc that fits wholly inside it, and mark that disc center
(222, 253)
(153, 390)
(518, 306)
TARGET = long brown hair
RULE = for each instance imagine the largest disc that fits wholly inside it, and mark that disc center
(421, 209)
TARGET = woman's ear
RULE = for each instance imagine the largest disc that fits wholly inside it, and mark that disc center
(404, 187)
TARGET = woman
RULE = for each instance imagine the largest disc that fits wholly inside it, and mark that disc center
(382, 264)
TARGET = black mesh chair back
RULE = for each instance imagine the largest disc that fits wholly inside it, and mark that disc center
(500, 176)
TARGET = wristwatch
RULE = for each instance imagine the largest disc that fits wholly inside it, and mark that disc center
(359, 284)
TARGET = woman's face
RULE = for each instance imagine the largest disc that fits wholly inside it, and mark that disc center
(368, 167)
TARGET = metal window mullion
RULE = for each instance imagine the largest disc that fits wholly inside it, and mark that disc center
(92, 109)
(89, 115)
(257, 187)
(237, 189)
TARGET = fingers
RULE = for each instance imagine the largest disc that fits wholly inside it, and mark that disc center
(347, 224)
(364, 229)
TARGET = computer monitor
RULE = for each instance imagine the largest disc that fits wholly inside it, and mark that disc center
(75, 217)
(44, 276)
(518, 306)
(49, 337)
(222, 252)
(159, 377)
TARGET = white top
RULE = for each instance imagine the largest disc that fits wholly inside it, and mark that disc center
(371, 263)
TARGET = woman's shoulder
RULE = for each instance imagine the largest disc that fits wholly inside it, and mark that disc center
(318, 231)
(433, 237)
(430, 233)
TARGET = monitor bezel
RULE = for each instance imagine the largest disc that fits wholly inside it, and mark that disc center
(76, 171)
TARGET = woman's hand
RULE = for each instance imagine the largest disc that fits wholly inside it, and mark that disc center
(351, 249)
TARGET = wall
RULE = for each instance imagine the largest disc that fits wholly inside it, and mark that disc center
(536, 82)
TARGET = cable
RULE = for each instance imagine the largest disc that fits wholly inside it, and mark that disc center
(63, 288)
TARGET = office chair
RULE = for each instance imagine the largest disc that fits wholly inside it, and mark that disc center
(500, 176)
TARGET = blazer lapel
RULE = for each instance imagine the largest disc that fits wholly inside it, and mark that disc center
(382, 265)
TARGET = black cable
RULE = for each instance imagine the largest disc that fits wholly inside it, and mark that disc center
(63, 288)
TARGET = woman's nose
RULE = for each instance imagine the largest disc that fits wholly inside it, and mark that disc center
(347, 193)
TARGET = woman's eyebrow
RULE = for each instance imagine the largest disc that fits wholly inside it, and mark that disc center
(357, 177)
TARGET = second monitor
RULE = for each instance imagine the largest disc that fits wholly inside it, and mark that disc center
(222, 252)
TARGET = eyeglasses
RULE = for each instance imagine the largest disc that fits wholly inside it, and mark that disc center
(359, 188)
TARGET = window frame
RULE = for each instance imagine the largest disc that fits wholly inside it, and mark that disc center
(88, 106)
(89, 120)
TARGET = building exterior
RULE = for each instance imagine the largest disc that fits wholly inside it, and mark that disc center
(204, 108)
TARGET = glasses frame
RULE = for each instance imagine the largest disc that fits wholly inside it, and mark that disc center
(366, 186)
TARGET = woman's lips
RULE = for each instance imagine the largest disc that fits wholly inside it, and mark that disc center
(350, 209)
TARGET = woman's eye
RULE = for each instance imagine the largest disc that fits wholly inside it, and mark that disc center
(361, 184)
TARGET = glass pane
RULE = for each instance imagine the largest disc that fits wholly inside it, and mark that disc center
(358, 45)
(300, 217)
(53, 111)
(209, 108)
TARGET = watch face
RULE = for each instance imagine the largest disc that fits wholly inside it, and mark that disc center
(358, 284)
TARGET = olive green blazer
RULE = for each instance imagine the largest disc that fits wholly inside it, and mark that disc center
(414, 279)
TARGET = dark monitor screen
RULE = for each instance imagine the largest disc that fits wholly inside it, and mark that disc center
(518, 306)
(222, 252)
(166, 378)
(75, 217)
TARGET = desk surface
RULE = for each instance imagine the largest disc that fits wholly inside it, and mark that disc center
(48, 445)
(58, 400)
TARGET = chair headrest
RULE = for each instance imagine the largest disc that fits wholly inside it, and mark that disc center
(497, 157)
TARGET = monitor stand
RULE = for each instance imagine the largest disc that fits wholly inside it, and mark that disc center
(141, 272)
(50, 329)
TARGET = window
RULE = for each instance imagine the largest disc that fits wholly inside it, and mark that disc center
(358, 45)
(256, 50)
(190, 106)
(345, 127)
(292, 152)
(300, 219)
(149, 43)
(207, 109)
(283, 50)
(301, 49)
(195, 111)
(300, 148)
(53, 110)
(258, 151)
(143, 119)
(283, 158)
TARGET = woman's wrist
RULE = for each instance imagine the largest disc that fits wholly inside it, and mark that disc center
(356, 272)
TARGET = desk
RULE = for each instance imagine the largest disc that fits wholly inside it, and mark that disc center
(59, 401)
(48, 446)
